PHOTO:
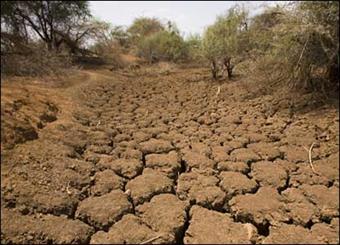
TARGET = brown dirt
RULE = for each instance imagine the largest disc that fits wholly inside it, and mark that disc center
(152, 154)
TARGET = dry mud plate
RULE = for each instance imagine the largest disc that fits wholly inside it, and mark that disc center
(157, 158)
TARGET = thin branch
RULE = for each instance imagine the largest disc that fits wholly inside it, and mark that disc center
(151, 239)
(303, 50)
(310, 157)
(218, 90)
(35, 27)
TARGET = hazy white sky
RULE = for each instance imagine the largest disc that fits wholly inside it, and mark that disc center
(190, 16)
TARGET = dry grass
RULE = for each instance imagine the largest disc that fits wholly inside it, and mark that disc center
(39, 63)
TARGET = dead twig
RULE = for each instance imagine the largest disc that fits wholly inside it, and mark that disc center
(310, 157)
(68, 188)
(217, 93)
(218, 90)
(198, 171)
(303, 50)
(151, 239)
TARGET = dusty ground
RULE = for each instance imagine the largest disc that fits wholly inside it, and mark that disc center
(163, 155)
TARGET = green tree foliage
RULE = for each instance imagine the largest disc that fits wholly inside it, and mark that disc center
(261, 28)
(224, 39)
(194, 48)
(322, 30)
(301, 42)
(163, 45)
(143, 27)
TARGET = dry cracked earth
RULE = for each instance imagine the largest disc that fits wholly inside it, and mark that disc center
(151, 157)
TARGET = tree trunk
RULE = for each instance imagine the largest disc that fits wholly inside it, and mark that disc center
(49, 45)
(230, 71)
(229, 67)
(214, 69)
(57, 44)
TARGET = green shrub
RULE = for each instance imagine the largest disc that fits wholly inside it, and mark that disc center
(143, 27)
(164, 45)
(194, 49)
(302, 43)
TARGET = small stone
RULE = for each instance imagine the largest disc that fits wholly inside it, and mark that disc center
(128, 192)
(30, 237)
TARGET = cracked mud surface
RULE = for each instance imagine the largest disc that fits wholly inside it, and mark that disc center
(160, 159)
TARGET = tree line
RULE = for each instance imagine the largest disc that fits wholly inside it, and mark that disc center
(297, 40)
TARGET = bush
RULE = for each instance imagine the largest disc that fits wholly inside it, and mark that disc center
(194, 49)
(143, 27)
(164, 45)
(110, 52)
(38, 62)
(301, 43)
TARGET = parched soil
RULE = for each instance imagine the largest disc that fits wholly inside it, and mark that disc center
(164, 155)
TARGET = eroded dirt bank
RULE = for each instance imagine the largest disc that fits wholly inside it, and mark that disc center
(165, 157)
